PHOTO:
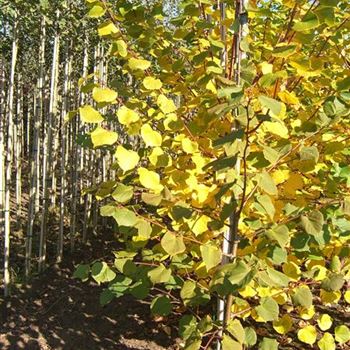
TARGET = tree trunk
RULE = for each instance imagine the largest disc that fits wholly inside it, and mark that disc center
(9, 156)
(47, 150)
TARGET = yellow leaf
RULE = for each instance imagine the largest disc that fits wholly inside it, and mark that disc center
(100, 137)
(107, 28)
(264, 292)
(277, 128)
(307, 314)
(279, 176)
(248, 292)
(127, 159)
(150, 179)
(325, 322)
(189, 146)
(330, 297)
(136, 63)
(321, 273)
(283, 325)
(151, 137)
(89, 115)
(127, 116)
(211, 87)
(151, 83)
(292, 270)
(165, 104)
(122, 48)
(288, 97)
(104, 95)
(266, 68)
(347, 296)
(96, 11)
(199, 225)
(295, 182)
(307, 335)
(326, 342)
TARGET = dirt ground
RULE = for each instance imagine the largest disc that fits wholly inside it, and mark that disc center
(55, 311)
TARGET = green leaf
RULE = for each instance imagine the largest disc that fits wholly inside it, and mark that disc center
(268, 309)
(275, 107)
(278, 278)
(236, 329)
(187, 326)
(211, 255)
(101, 272)
(342, 334)
(123, 193)
(313, 223)
(311, 21)
(161, 306)
(343, 85)
(151, 198)
(193, 344)
(120, 285)
(250, 336)
(125, 217)
(106, 297)
(268, 344)
(333, 282)
(89, 115)
(228, 343)
(102, 137)
(267, 184)
(173, 244)
(107, 210)
(280, 234)
(159, 275)
(193, 295)
(144, 229)
(267, 205)
(283, 50)
(82, 272)
(302, 297)
(309, 154)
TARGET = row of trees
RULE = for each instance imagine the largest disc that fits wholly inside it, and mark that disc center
(47, 47)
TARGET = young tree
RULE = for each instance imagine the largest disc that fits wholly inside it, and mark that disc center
(246, 133)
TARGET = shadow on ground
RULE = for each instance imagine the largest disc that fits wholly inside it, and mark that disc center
(57, 312)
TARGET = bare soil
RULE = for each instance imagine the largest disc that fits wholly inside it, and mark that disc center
(55, 311)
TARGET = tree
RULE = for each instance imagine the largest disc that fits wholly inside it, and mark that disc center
(195, 109)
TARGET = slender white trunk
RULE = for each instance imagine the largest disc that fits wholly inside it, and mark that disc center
(18, 150)
(47, 151)
(9, 156)
(63, 181)
(34, 152)
(2, 143)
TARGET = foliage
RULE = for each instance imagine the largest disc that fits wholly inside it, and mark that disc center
(255, 143)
